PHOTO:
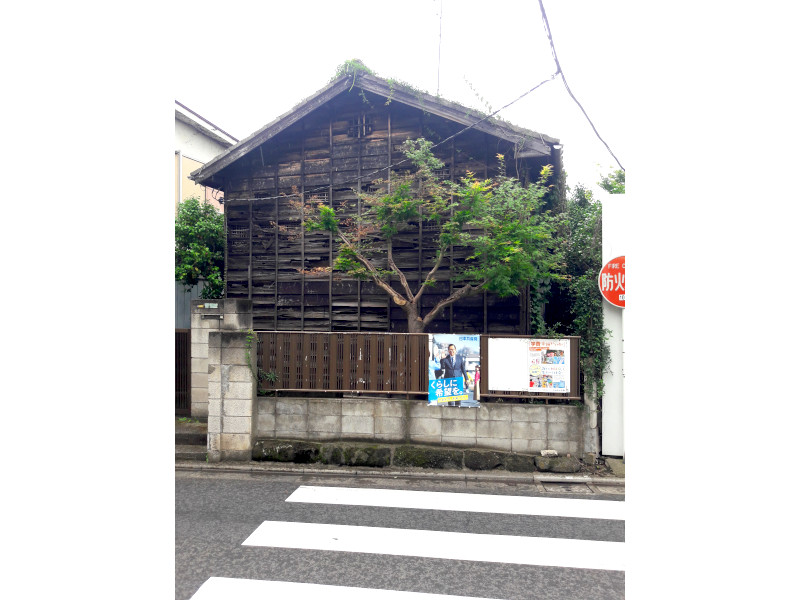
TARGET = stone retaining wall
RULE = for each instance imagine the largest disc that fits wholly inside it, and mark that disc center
(525, 428)
(358, 454)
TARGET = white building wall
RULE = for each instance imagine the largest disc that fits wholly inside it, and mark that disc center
(194, 144)
(614, 244)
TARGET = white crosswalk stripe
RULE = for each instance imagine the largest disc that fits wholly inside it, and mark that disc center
(453, 501)
(450, 545)
(219, 588)
(447, 545)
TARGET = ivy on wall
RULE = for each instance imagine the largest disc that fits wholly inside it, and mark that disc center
(575, 305)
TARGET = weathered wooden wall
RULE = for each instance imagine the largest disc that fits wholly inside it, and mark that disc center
(341, 147)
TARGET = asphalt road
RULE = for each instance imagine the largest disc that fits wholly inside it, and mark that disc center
(216, 513)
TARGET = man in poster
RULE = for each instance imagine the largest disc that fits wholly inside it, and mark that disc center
(454, 366)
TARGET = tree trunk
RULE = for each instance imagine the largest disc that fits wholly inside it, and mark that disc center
(415, 324)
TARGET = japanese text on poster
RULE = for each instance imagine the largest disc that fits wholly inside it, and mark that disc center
(454, 369)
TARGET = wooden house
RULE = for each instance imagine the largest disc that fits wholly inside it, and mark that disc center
(340, 140)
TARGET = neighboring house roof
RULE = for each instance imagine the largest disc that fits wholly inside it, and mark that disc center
(528, 143)
(203, 125)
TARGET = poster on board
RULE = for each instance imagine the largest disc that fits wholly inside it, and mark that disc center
(529, 365)
(548, 366)
(454, 369)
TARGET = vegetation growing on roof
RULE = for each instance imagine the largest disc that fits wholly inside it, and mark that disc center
(354, 68)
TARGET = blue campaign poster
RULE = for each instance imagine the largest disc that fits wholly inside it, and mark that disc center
(441, 391)
(454, 369)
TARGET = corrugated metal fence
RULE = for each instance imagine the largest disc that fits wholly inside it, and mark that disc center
(183, 303)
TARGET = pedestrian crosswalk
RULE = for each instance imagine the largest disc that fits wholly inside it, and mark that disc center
(561, 552)
(453, 501)
(448, 545)
(226, 587)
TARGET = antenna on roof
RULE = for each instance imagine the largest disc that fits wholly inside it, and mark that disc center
(439, 64)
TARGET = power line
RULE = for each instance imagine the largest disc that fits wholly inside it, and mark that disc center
(439, 64)
(405, 160)
(566, 85)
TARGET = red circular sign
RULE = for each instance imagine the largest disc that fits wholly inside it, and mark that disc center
(612, 281)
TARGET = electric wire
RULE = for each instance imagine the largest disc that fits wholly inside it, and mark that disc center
(566, 85)
(439, 64)
(367, 176)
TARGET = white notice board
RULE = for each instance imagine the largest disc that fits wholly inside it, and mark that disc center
(529, 365)
(508, 365)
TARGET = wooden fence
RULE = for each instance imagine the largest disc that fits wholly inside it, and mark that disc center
(374, 363)
(380, 363)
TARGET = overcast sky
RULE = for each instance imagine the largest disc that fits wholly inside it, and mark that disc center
(253, 62)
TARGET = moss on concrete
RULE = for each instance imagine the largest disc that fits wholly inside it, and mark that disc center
(428, 458)
(482, 460)
(520, 463)
(286, 451)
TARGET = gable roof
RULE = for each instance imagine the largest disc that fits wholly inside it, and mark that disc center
(528, 143)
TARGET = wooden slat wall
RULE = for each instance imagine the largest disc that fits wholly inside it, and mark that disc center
(321, 159)
(336, 362)
(377, 363)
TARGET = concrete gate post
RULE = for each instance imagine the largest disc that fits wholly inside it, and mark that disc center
(232, 397)
(228, 314)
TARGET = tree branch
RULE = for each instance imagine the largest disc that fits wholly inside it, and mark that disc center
(430, 275)
(400, 274)
(464, 292)
(373, 273)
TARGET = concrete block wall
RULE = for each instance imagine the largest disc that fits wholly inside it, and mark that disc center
(209, 316)
(523, 428)
(231, 397)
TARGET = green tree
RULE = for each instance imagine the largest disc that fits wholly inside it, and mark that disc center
(498, 225)
(200, 246)
(614, 182)
(582, 229)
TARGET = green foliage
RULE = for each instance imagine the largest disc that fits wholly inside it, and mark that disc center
(351, 68)
(200, 246)
(498, 223)
(581, 234)
(270, 376)
(613, 183)
(517, 246)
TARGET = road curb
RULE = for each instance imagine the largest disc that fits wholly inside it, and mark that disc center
(273, 468)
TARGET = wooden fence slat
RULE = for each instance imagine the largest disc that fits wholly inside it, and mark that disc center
(374, 362)
(346, 383)
(305, 362)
